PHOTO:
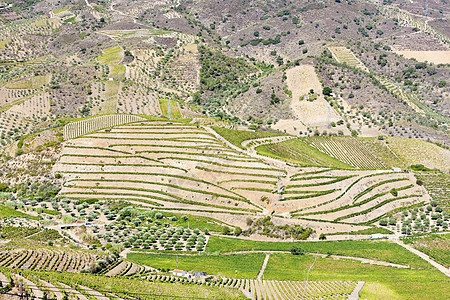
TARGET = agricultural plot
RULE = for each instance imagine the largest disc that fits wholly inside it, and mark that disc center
(436, 57)
(29, 83)
(407, 20)
(136, 99)
(438, 186)
(47, 259)
(348, 150)
(34, 107)
(158, 155)
(82, 127)
(12, 126)
(178, 166)
(310, 109)
(82, 286)
(64, 15)
(345, 56)
(170, 109)
(435, 246)
(162, 238)
(403, 283)
(104, 97)
(368, 198)
(112, 55)
(119, 35)
(299, 152)
(240, 266)
(420, 152)
(291, 289)
(18, 48)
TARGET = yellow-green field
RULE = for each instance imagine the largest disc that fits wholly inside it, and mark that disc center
(164, 104)
(112, 87)
(117, 69)
(420, 152)
(57, 11)
(111, 56)
(29, 83)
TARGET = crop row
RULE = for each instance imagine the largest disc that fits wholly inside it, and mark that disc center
(79, 128)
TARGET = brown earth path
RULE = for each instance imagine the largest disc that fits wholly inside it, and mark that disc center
(355, 293)
(422, 255)
(263, 267)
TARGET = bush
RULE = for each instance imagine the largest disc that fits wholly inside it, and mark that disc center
(322, 237)
(225, 230)
(159, 216)
(237, 231)
(297, 250)
(383, 222)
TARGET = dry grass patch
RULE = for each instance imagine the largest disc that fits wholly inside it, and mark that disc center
(436, 57)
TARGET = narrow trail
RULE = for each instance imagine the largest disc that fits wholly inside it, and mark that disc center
(271, 161)
(355, 293)
(263, 267)
(422, 255)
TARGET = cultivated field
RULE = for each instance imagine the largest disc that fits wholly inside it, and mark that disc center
(183, 167)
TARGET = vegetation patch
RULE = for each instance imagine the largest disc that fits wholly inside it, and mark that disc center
(112, 55)
(238, 266)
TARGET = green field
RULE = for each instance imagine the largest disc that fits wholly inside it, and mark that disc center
(117, 69)
(404, 283)
(111, 56)
(236, 137)
(175, 112)
(298, 152)
(437, 246)
(57, 11)
(237, 266)
(379, 250)
(195, 222)
(17, 232)
(6, 212)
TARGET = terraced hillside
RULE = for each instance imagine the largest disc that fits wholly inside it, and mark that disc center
(186, 167)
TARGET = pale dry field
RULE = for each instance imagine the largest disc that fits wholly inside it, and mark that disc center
(300, 80)
(436, 57)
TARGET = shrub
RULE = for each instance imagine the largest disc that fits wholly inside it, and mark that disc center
(322, 237)
(297, 250)
(225, 230)
(159, 216)
(327, 91)
(383, 222)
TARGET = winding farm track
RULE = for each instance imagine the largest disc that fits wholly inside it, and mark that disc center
(271, 161)
(265, 141)
(422, 255)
